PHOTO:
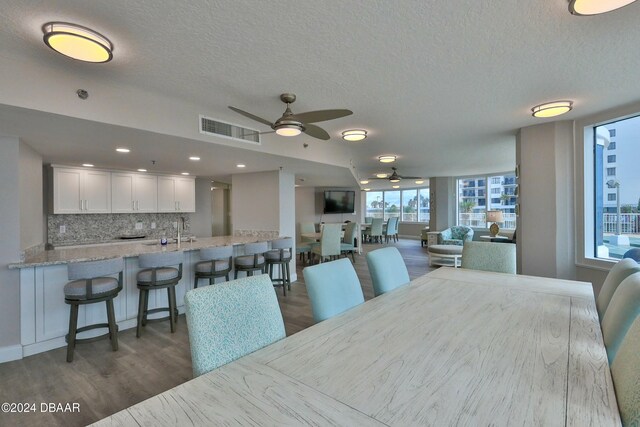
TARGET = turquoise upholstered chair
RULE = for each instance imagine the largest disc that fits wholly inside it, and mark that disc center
(456, 235)
(375, 231)
(307, 228)
(387, 269)
(329, 245)
(333, 288)
(350, 235)
(488, 256)
(392, 229)
(623, 269)
(622, 311)
(230, 320)
(625, 371)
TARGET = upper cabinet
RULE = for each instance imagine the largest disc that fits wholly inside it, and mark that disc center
(131, 192)
(78, 191)
(176, 194)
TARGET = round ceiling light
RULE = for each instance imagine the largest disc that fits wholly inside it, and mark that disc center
(142, 170)
(381, 175)
(420, 181)
(240, 165)
(122, 150)
(194, 158)
(354, 135)
(367, 189)
(364, 181)
(552, 109)
(395, 186)
(387, 159)
(77, 42)
(595, 7)
(288, 130)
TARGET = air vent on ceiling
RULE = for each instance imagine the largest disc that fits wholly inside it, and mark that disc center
(209, 126)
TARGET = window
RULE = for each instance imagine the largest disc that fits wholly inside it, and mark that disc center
(611, 171)
(612, 133)
(611, 158)
(612, 145)
(611, 197)
(472, 207)
(410, 205)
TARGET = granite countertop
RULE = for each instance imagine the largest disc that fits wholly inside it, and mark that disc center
(128, 249)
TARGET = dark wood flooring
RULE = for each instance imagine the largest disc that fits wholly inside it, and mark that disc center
(104, 382)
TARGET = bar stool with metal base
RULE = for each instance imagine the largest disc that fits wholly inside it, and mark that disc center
(91, 284)
(252, 260)
(280, 254)
(158, 274)
(218, 264)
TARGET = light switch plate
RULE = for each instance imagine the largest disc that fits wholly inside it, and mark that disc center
(138, 226)
(153, 225)
(63, 229)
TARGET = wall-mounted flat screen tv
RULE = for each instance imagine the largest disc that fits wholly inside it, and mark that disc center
(339, 202)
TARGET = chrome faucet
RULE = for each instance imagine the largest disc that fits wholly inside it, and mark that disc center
(181, 224)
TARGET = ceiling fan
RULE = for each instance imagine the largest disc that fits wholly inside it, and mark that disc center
(396, 177)
(293, 124)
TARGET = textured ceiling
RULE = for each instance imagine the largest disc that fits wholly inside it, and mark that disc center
(442, 84)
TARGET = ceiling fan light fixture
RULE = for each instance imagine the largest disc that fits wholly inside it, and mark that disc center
(552, 109)
(387, 159)
(394, 180)
(595, 7)
(354, 135)
(77, 42)
(288, 130)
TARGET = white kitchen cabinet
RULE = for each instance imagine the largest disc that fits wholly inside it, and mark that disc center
(81, 191)
(131, 192)
(176, 194)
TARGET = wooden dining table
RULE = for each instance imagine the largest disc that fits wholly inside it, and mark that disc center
(454, 347)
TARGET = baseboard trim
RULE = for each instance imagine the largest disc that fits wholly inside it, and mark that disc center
(410, 237)
(10, 352)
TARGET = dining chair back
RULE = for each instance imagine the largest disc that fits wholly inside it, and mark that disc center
(333, 288)
(368, 219)
(375, 232)
(230, 320)
(350, 235)
(392, 229)
(329, 242)
(489, 256)
(388, 270)
(307, 228)
(625, 371)
(620, 271)
(622, 311)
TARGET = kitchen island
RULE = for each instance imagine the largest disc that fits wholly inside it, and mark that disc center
(44, 316)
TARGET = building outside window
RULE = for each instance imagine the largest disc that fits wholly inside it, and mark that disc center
(611, 158)
(612, 145)
(410, 205)
(472, 206)
(611, 171)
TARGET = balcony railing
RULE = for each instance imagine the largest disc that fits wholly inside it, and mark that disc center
(479, 220)
(629, 223)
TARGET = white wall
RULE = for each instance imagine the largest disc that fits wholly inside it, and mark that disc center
(443, 203)
(305, 207)
(31, 200)
(255, 201)
(10, 247)
(202, 220)
(287, 205)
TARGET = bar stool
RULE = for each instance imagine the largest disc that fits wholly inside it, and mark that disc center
(158, 274)
(90, 284)
(252, 260)
(218, 264)
(280, 254)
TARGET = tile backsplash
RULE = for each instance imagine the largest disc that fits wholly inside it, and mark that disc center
(97, 228)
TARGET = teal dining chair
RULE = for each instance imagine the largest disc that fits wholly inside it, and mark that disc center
(230, 320)
(625, 372)
(388, 270)
(622, 311)
(391, 232)
(620, 271)
(333, 288)
(307, 228)
(489, 256)
(348, 241)
(374, 233)
(329, 246)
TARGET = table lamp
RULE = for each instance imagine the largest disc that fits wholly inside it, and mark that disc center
(494, 217)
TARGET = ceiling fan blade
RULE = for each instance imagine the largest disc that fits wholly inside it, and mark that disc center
(410, 177)
(321, 115)
(316, 132)
(251, 116)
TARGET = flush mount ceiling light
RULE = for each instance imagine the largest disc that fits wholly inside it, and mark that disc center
(381, 175)
(552, 109)
(387, 159)
(595, 7)
(87, 165)
(364, 181)
(194, 158)
(354, 135)
(367, 189)
(142, 170)
(185, 173)
(395, 186)
(241, 166)
(420, 181)
(77, 42)
(122, 150)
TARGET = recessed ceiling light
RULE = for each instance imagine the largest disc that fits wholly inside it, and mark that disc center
(122, 150)
(595, 7)
(395, 186)
(241, 165)
(142, 170)
(194, 158)
(364, 181)
(185, 173)
(381, 175)
(387, 159)
(87, 165)
(77, 42)
(354, 135)
(552, 109)
(420, 181)
(367, 189)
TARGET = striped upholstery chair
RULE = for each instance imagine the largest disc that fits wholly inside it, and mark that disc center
(230, 320)
(625, 371)
(489, 257)
(622, 311)
(623, 269)
(388, 270)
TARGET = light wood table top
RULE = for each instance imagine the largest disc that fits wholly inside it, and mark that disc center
(455, 347)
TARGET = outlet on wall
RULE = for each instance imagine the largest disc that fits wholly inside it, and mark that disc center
(138, 226)
(63, 229)
(153, 225)
(175, 224)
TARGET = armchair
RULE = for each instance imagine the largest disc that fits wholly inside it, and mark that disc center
(456, 235)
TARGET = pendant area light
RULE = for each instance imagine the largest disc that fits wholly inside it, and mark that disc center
(595, 7)
(354, 135)
(552, 109)
(77, 42)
